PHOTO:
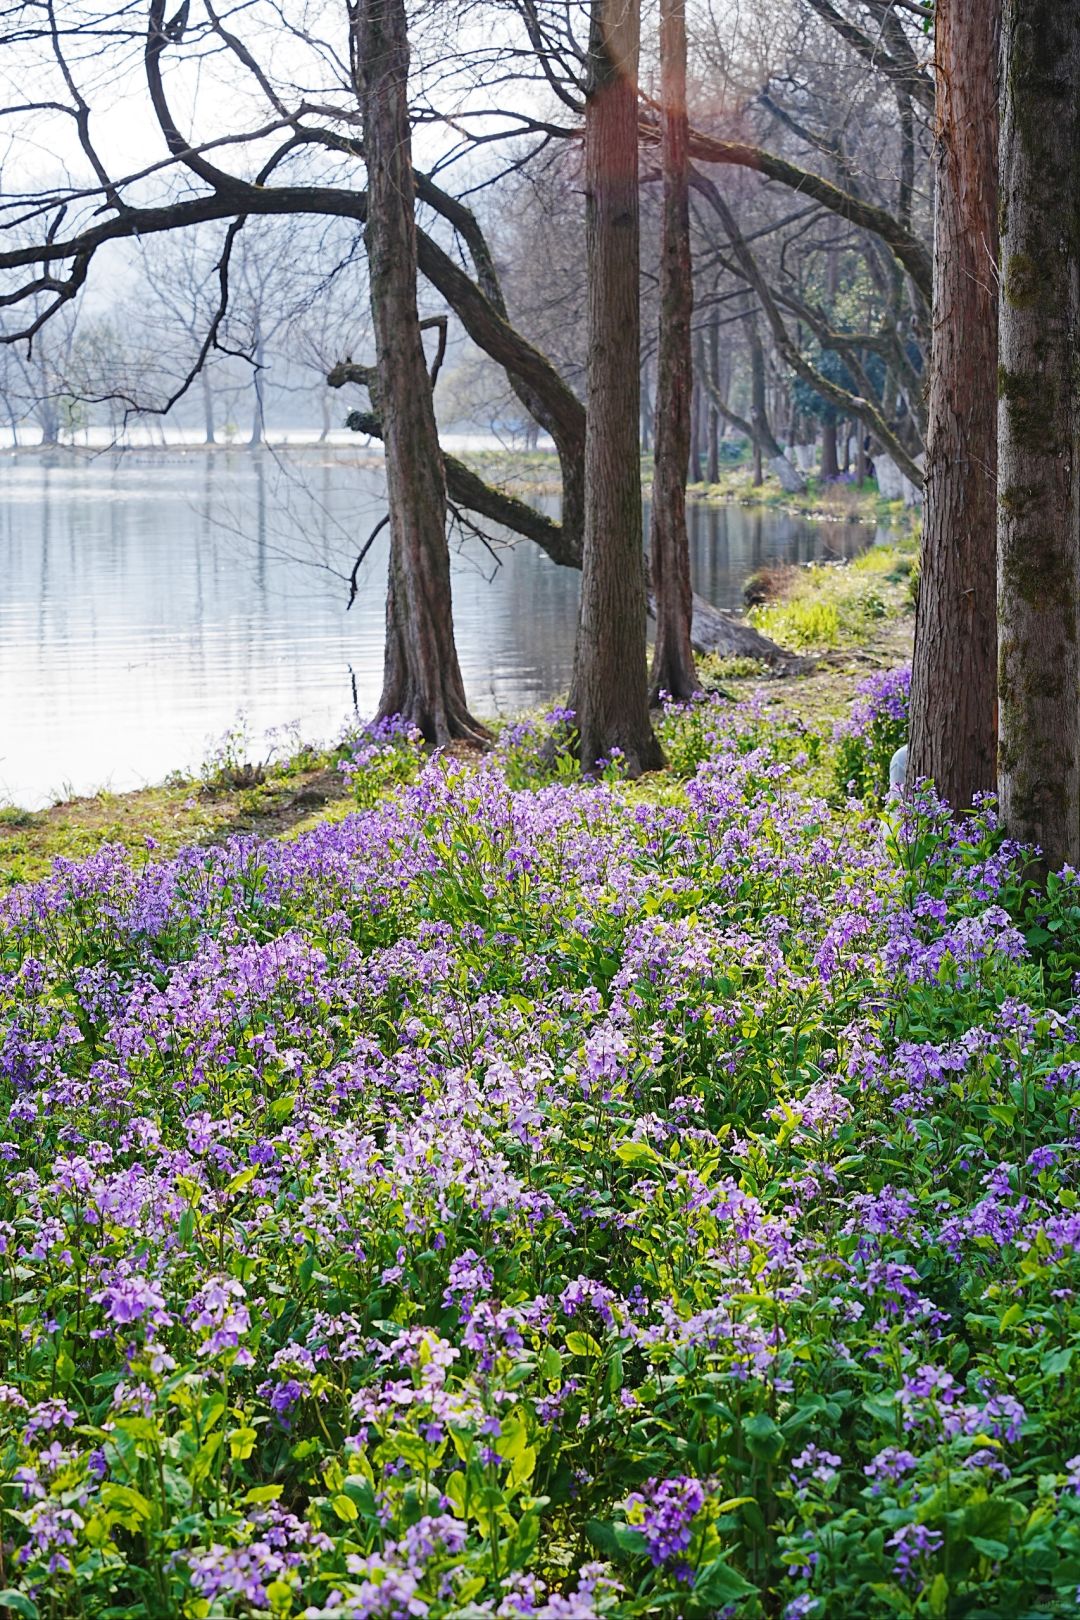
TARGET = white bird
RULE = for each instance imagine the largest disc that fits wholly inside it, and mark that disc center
(898, 769)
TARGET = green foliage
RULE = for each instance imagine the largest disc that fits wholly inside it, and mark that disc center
(825, 606)
(564, 1201)
(868, 739)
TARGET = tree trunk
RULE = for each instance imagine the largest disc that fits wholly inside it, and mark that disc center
(1039, 429)
(694, 468)
(49, 418)
(673, 667)
(208, 409)
(421, 676)
(646, 408)
(258, 418)
(829, 465)
(610, 687)
(764, 442)
(712, 466)
(953, 702)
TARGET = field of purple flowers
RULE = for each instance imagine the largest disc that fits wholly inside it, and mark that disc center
(533, 1198)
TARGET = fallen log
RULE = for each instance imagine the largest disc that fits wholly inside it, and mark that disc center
(714, 630)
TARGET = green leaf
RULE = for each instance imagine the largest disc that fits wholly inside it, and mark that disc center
(938, 1596)
(522, 1468)
(455, 1490)
(629, 1540)
(126, 1505)
(242, 1443)
(345, 1508)
(603, 1538)
(1057, 1361)
(582, 1344)
(994, 1550)
(763, 1438)
(550, 1362)
(19, 1602)
(637, 1153)
(718, 1584)
(263, 1493)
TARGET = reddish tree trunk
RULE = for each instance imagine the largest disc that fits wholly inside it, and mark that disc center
(421, 676)
(673, 668)
(1039, 429)
(610, 686)
(953, 689)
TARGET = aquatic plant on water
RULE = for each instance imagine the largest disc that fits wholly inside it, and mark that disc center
(554, 1202)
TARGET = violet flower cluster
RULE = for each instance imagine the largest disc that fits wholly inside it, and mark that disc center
(547, 1200)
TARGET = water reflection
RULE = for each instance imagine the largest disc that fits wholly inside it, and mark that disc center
(148, 597)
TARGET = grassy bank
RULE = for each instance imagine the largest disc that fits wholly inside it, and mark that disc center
(158, 821)
(536, 472)
(867, 605)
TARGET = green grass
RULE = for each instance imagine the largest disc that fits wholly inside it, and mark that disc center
(827, 607)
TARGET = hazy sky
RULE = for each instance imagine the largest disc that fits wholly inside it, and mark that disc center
(212, 95)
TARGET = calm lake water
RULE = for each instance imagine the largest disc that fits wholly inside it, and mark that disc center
(148, 599)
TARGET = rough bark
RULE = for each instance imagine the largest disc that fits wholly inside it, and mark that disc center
(610, 686)
(421, 676)
(953, 691)
(673, 668)
(1038, 429)
(695, 461)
